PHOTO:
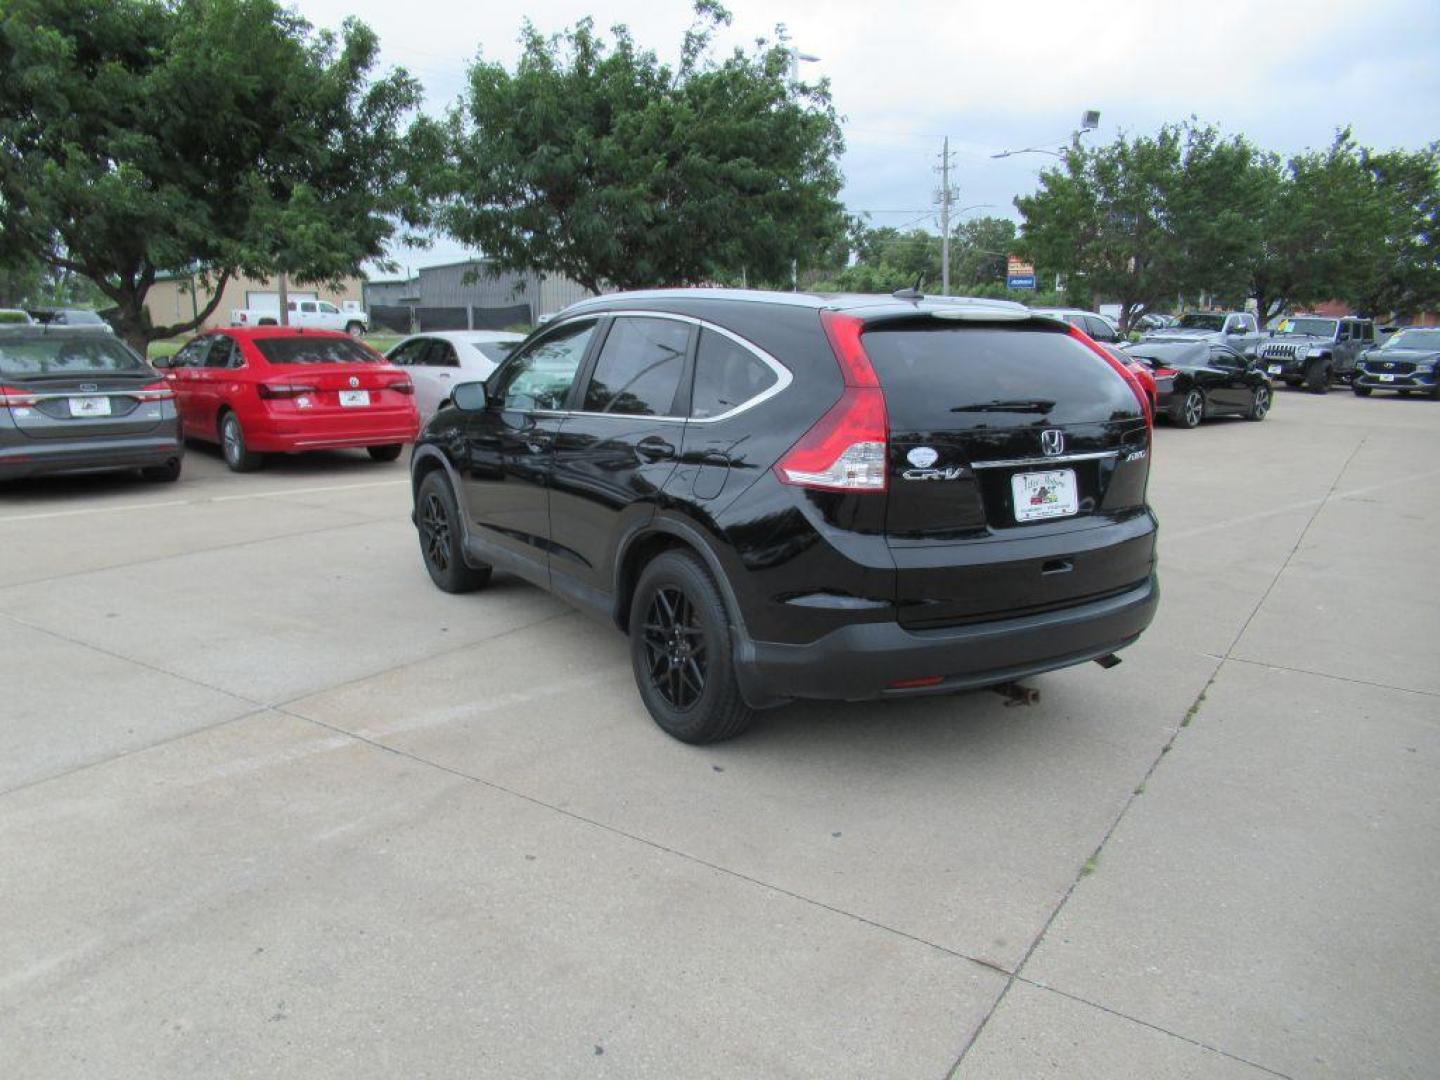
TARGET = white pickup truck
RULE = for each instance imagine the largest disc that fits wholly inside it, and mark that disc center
(312, 314)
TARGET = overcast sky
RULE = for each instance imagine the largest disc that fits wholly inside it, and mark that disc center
(1000, 76)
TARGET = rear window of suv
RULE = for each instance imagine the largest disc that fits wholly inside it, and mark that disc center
(968, 371)
(316, 350)
(56, 355)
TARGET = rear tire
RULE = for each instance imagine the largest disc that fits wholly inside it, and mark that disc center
(388, 452)
(681, 653)
(442, 549)
(1360, 391)
(1259, 404)
(355, 329)
(1191, 410)
(238, 454)
(163, 474)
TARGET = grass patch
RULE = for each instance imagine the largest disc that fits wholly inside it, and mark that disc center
(1091, 865)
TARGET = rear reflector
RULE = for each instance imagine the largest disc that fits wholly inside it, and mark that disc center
(914, 684)
(847, 448)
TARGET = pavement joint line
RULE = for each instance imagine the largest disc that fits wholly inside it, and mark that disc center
(1155, 764)
(260, 707)
(355, 524)
(266, 494)
(1331, 675)
(1152, 1026)
(261, 710)
(988, 965)
(1080, 872)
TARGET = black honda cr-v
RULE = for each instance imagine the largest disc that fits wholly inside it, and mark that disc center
(784, 496)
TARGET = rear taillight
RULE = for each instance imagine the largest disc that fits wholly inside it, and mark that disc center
(1131, 380)
(847, 448)
(406, 387)
(10, 397)
(271, 391)
(1165, 373)
(156, 391)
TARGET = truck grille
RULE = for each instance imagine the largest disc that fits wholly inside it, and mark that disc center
(1278, 352)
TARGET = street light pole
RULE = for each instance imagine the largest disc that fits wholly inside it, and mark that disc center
(1089, 121)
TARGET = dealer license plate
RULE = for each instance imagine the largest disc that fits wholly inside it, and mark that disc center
(354, 398)
(1386, 378)
(1041, 495)
(1274, 369)
(89, 406)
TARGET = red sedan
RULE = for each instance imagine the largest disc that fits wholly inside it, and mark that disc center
(275, 389)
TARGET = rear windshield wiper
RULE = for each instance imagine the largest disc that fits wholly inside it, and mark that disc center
(1037, 405)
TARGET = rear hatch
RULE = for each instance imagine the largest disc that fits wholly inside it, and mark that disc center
(1017, 472)
(78, 385)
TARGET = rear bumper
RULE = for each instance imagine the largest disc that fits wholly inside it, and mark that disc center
(53, 457)
(863, 661)
(374, 430)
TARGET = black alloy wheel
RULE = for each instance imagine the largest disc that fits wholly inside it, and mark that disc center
(681, 653)
(1259, 404)
(675, 648)
(437, 520)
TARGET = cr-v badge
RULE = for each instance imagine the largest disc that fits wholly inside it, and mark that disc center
(922, 457)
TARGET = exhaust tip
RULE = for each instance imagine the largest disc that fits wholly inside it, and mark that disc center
(1107, 661)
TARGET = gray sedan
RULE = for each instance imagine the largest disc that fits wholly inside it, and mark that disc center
(76, 401)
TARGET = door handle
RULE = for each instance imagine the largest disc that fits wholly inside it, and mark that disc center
(654, 448)
(444, 375)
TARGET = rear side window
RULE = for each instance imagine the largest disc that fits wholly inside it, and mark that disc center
(316, 350)
(639, 369)
(969, 373)
(726, 376)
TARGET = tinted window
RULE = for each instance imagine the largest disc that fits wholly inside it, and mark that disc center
(639, 368)
(192, 355)
(308, 306)
(409, 353)
(77, 354)
(1099, 329)
(541, 378)
(1227, 359)
(961, 374)
(440, 354)
(726, 376)
(316, 350)
(494, 351)
(222, 352)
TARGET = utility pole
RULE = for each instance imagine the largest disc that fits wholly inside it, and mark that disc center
(284, 298)
(947, 199)
(796, 56)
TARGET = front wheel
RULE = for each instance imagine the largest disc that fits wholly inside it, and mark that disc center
(355, 329)
(1192, 409)
(1259, 404)
(437, 518)
(238, 455)
(388, 452)
(680, 651)
(1317, 377)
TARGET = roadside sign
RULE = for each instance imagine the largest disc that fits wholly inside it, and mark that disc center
(1018, 274)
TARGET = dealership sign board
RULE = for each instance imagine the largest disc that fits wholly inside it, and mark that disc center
(1019, 275)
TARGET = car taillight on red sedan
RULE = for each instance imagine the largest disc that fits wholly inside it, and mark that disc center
(272, 391)
(405, 386)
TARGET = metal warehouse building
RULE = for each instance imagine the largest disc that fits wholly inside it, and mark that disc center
(469, 294)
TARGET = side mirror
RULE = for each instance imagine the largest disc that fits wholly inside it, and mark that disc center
(470, 397)
(161, 362)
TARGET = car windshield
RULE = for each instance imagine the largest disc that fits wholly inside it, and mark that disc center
(1202, 320)
(1312, 327)
(56, 355)
(1414, 339)
(316, 350)
(494, 351)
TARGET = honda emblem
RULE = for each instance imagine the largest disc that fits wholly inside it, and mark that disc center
(1052, 442)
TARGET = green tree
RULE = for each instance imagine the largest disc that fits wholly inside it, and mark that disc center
(979, 251)
(597, 161)
(1397, 270)
(139, 137)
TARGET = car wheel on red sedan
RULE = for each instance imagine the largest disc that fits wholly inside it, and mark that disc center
(238, 455)
(680, 649)
(389, 452)
(437, 518)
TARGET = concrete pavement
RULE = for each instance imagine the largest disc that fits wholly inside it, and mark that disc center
(272, 805)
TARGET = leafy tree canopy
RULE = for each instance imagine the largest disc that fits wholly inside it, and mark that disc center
(139, 137)
(595, 160)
